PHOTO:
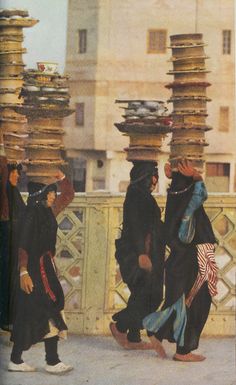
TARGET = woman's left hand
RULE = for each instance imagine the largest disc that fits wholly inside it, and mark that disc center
(59, 175)
(185, 168)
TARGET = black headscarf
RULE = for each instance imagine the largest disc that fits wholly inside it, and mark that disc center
(14, 166)
(38, 192)
(15, 201)
(141, 173)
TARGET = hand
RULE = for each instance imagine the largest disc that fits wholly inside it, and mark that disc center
(145, 262)
(59, 175)
(185, 168)
(26, 284)
(168, 171)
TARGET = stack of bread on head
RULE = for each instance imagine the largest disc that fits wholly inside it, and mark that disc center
(13, 128)
(189, 100)
(146, 123)
(46, 103)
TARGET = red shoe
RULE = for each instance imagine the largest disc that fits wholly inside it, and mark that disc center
(190, 357)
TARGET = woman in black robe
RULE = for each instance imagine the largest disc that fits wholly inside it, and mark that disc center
(10, 233)
(184, 315)
(140, 254)
(4, 219)
(39, 313)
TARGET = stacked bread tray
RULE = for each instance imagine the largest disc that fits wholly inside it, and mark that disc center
(46, 98)
(189, 99)
(146, 122)
(13, 127)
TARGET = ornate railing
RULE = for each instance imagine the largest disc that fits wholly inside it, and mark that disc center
(90, 276)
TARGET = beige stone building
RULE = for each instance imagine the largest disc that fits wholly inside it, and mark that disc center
(117, 49)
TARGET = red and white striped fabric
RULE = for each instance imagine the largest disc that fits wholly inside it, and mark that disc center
(207, 271)
(44, 277)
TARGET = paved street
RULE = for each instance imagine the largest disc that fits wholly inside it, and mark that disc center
(100, 361)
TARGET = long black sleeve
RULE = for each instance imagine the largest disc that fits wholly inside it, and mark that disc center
(139, 215)
(135, 224)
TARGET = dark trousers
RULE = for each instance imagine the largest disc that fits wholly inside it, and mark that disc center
(51, 355)
(145, 297)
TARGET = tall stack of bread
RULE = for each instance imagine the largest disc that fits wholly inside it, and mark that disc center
(13, 125)
(46, 103)
(189, 99)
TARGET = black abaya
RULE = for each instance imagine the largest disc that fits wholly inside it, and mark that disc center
(181, 267)
(45, 303)
(10, 235)
(142, 234)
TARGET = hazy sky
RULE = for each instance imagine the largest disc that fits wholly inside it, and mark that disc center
(46, 41)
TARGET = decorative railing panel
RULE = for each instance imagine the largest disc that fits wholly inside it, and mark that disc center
(90, 276)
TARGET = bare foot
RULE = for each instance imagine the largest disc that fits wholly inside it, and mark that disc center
(157, 346)
(142, 345)
(190, 357)
(121, 338)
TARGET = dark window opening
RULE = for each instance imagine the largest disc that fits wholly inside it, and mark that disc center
(224, 119)
(77, 173)
(157, 40)
(82, 40)
(99, 163)
(226, 41)
(79, 114)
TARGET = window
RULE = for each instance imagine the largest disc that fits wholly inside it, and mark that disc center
(79, 114)
(224, 119)
(79, 180)
(100, 163)
(226, 41)
(98, 184)
(77, 171)
(217, 177)
(157, 40)
(82, 41)
(217, 169)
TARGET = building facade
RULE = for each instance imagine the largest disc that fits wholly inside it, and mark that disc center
(118, 50)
